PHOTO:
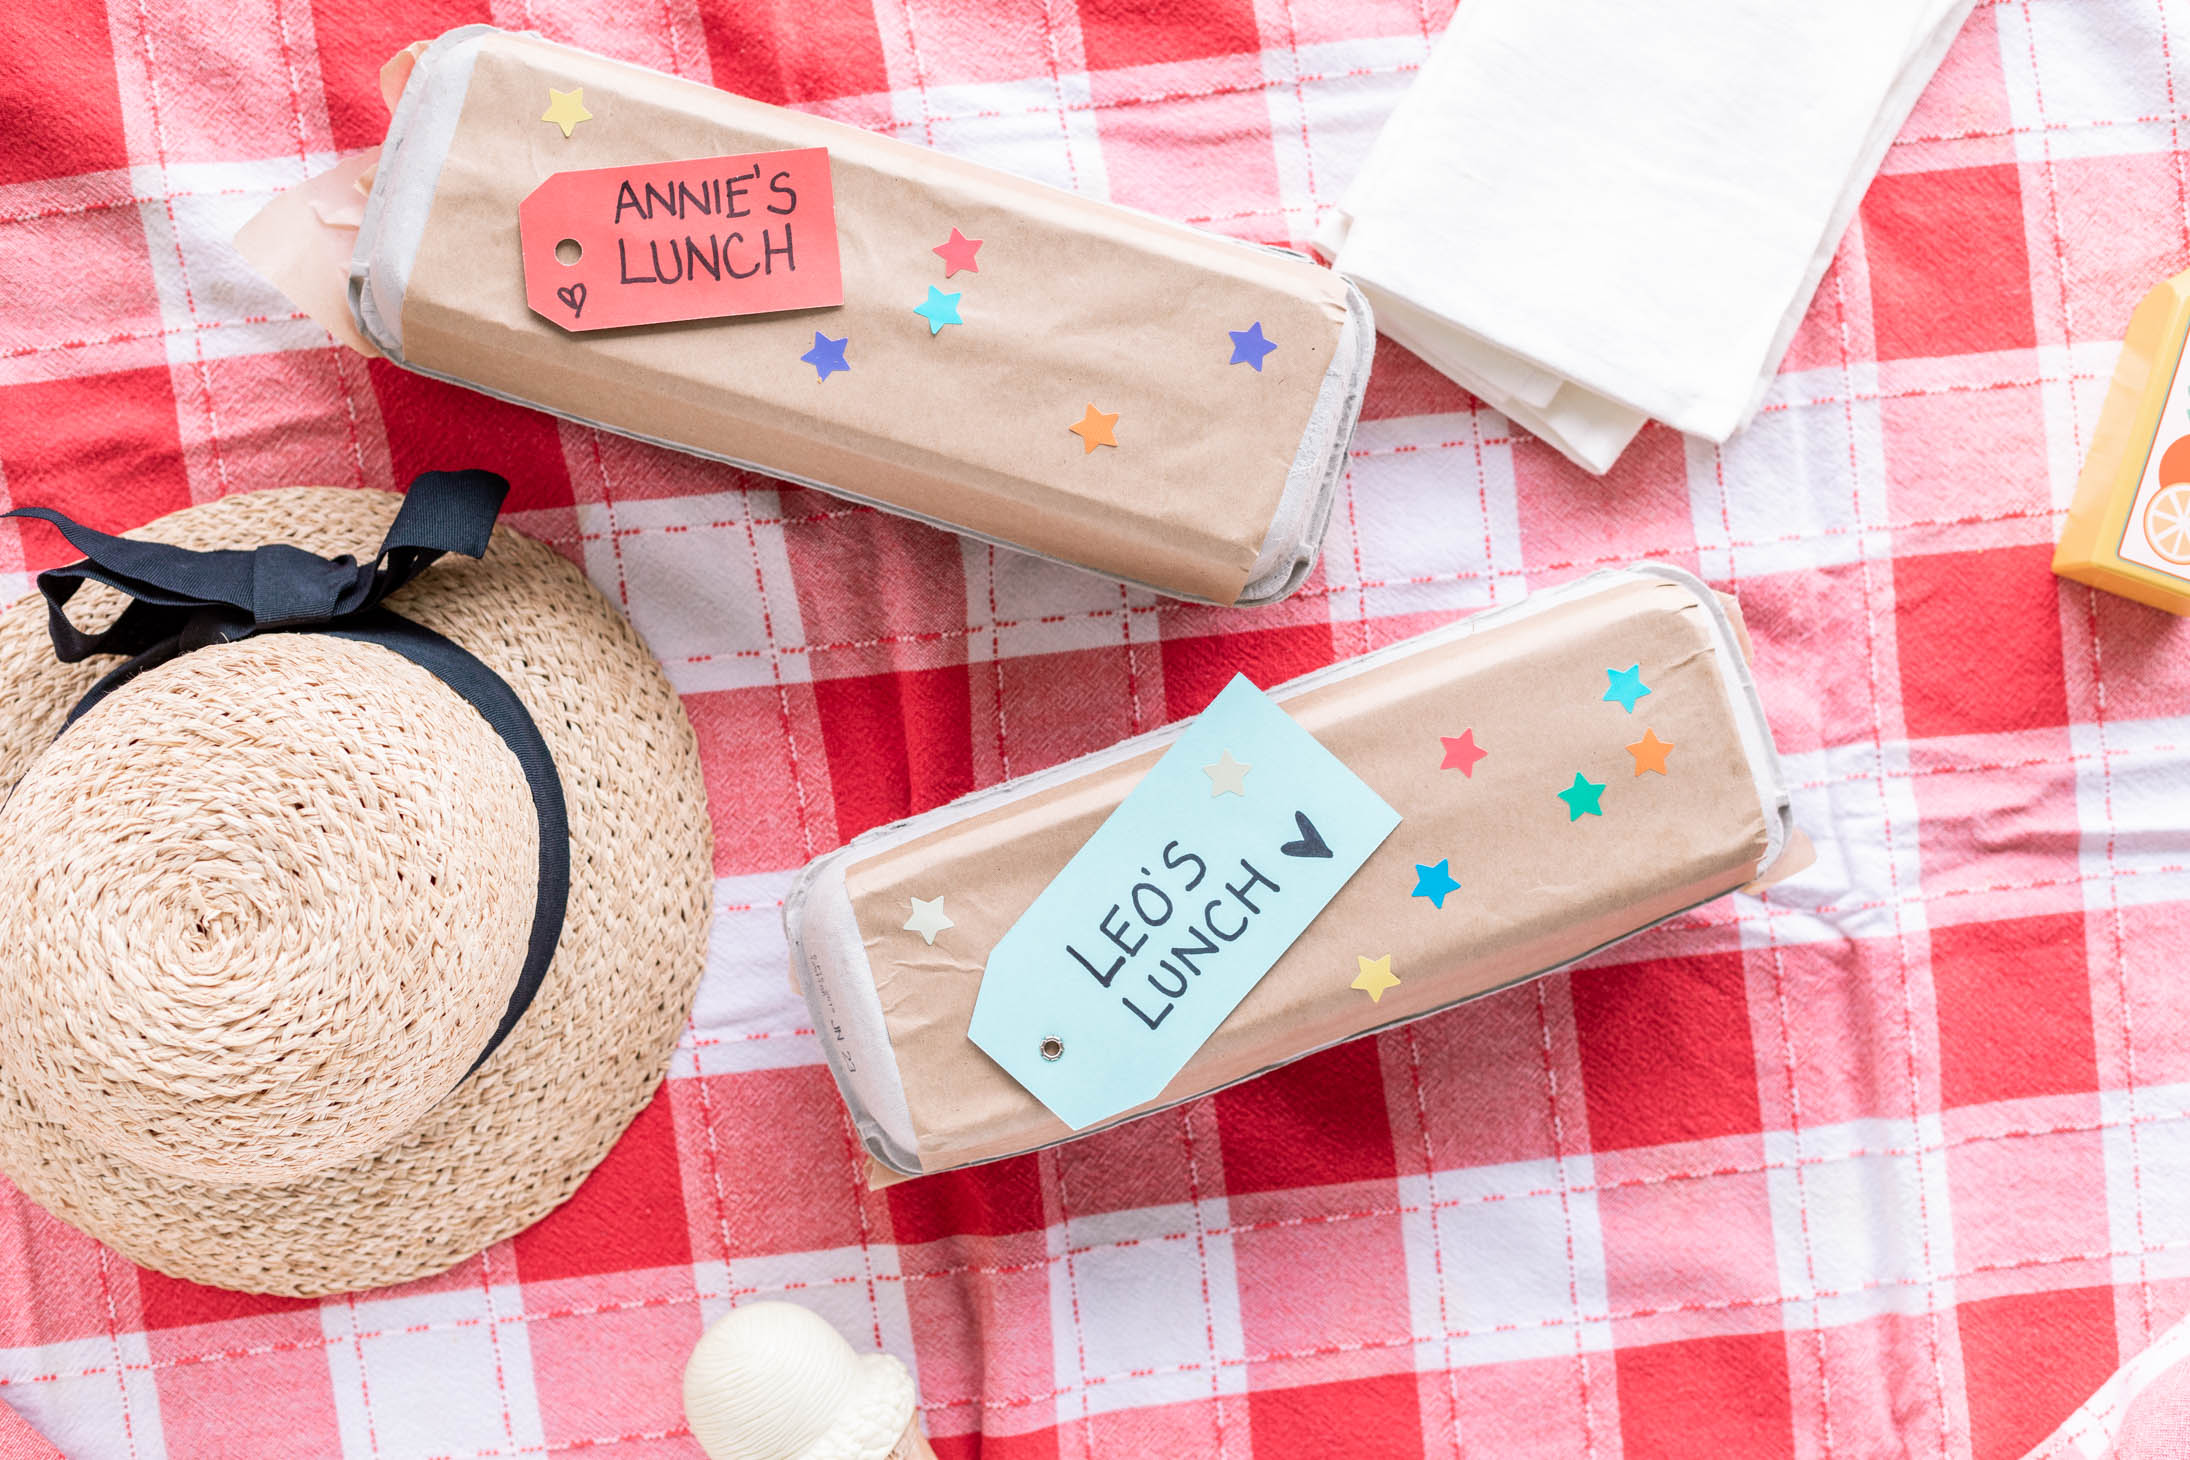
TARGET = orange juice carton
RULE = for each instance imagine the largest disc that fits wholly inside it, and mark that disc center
(2128, 528)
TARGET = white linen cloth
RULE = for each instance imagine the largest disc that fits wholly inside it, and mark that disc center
(2142, 1413)
(1594, 212)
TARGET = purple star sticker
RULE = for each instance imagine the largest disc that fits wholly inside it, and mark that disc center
(827, 355)
(1248, 346)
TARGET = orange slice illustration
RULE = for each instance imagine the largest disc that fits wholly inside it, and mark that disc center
(2167, 523)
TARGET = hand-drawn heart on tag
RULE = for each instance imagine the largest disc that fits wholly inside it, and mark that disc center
(573, 295)
(1311, 843)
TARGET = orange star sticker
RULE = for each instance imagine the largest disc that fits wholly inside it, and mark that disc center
(1650, 753)
(1094, 429)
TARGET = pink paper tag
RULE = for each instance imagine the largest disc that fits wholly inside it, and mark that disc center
(714, 236)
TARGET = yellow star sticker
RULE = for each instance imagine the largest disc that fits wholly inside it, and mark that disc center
(1650, 753)
(566, 109)
(1376, 976)
(1094, 429)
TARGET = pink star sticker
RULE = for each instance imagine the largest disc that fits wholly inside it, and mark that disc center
(957, 253)
(1461, 753)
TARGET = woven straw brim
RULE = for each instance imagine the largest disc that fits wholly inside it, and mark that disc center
(515, 1139)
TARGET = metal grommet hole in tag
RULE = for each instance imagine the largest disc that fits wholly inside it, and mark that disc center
(1053, 1048)
(569, 251)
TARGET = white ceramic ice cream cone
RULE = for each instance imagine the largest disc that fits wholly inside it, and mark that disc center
(772, 1381)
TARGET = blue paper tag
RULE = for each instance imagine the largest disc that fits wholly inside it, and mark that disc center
(1178, 905)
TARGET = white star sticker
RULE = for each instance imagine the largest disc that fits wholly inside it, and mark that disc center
(1227, 776)
(928, 918)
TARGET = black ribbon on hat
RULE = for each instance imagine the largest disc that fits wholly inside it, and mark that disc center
(183, 599)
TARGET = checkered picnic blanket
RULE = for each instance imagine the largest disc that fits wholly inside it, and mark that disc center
(1892, 1161)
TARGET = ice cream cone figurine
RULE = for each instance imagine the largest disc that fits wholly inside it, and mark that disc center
(772, 1381)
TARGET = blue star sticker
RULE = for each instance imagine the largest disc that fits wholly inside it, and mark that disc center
(938, 309)
(1434, 882)
(1583, 796)
(1248, 346)
(1627, 686)
(827, 355)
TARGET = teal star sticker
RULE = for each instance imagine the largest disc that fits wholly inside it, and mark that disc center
(1434, 882)
(938, 309)
(1627, 686)
(1582, 796)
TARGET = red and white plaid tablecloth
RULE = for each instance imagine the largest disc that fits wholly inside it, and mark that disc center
(1894, 1161)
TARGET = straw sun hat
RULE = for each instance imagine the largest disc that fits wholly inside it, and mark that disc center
(331, 955)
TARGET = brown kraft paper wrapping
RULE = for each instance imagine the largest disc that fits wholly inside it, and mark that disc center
(1537, 890)
(1076, 302)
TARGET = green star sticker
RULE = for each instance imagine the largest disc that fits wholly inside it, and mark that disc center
(1583, 796)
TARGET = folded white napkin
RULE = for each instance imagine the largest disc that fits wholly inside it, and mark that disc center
(1593, 212)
